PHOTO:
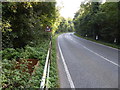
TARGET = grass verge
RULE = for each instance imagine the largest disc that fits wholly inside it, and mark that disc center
(101, 42)
(54, 80)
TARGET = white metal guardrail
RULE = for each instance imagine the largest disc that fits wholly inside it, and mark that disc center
(45, 77)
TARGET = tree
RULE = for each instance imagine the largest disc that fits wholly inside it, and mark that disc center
(95, 19)
(25, 22)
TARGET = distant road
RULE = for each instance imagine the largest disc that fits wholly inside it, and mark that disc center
(86, 64)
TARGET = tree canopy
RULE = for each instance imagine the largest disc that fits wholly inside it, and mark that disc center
(96, 19)
(25, 22)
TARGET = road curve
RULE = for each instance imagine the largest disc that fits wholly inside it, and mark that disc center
(86, 64)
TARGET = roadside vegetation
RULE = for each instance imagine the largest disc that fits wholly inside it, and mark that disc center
(24, 37)
(99, 22)
(13, 77)
(54, 78)
(101, 42)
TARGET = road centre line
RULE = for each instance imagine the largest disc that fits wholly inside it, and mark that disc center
(66, 68)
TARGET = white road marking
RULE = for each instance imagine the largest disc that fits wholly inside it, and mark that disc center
(98, 43)
(66, 69)
(97, 54)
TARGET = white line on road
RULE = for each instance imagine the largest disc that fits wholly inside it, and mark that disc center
(97, 54)
(66, 69)
(102, 57)
(96, 43)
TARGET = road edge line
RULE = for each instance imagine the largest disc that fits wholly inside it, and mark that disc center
(66, 68)
(98, 43)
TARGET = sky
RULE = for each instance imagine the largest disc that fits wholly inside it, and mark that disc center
(69, 7)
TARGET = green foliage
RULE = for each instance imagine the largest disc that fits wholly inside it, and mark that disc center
(101, 42)
(35, 80)
(32, 53)
(53, 80)
(65, 25)
(10, 54)
(25, 22)
(95, 19)
(27, 53)
(24, 37)
(22, 79)
(11, 77)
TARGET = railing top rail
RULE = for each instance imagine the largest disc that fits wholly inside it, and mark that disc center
(42, 84)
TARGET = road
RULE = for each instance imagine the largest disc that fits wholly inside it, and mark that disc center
(86, 64)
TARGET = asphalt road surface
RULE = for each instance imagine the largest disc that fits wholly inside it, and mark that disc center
(86, 64)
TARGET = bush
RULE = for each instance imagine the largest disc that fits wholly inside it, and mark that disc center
(16, 78)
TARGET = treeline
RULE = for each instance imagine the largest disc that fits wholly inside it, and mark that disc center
(65, 25)
(62, 24)
(99, 21)
(24, 23)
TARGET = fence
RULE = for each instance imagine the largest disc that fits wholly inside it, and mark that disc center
(45, 77)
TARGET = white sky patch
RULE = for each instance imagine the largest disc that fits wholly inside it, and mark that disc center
(70, 7)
